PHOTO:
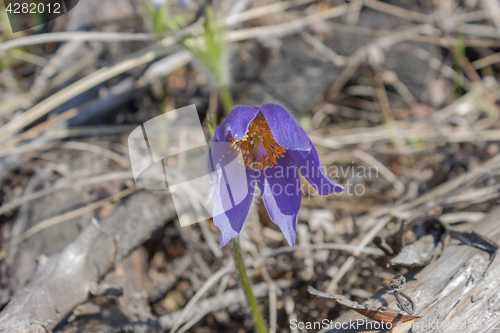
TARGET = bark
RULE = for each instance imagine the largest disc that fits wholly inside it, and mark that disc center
(459, 292)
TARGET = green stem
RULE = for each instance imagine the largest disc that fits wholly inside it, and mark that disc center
(226, 98)
(260, 327)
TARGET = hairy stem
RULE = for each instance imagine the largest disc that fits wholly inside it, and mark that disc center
(226, 98)
(260, 327)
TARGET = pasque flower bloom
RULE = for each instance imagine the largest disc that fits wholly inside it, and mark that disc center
(272, 147)
(180, 3)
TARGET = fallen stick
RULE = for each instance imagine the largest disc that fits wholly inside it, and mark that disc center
(212, 304)
(456, 293)
(63, 281)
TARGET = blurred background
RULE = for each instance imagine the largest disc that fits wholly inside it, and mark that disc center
(399, 98)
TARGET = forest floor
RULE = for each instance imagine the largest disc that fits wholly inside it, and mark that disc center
(400, 99)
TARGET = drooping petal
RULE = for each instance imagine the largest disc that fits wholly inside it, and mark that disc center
(287, 133)
(229, 211)
(236, 123)
(222, 154)
(310, 168)
(232, 195)
(280, 191)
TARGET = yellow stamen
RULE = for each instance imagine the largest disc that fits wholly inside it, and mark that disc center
(258, 147)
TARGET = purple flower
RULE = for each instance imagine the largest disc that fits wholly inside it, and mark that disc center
(180, 3)
(158, 3)
(187, 4)
(272, 148)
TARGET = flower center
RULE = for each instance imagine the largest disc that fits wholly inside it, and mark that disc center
(258, 147)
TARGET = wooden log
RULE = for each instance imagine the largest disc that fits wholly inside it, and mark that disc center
(459, 292)
(65, 279)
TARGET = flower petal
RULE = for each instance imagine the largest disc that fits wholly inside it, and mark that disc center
(287, 133)
(310, 168)
(158, 3)
(232, 195)
(236, 123)
(280, 191)
(187, 4)
(230, 208)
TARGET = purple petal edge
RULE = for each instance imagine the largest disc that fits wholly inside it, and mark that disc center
(236, 123)
(287, 133)
(231, 221)
(282, 205)
(310, 169)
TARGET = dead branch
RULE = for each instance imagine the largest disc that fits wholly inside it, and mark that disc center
(65, 279)
(457, 292)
